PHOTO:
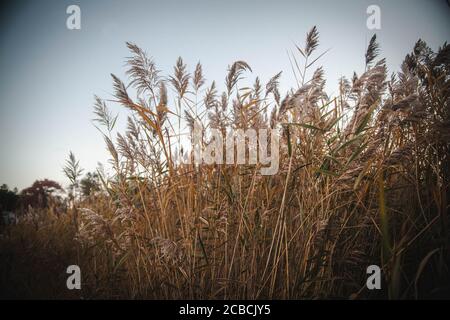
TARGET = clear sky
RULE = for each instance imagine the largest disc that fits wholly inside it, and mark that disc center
(49, 74)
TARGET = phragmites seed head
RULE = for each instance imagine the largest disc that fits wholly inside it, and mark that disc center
(372, 50)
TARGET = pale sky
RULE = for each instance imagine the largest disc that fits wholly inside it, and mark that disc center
(49, 74)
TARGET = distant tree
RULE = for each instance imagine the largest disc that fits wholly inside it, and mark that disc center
(9, 199)
(90, 184)
(40, 193)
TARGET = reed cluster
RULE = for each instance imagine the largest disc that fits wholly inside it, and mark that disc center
(363, 179)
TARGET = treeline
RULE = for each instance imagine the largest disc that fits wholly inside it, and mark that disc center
(43, 193)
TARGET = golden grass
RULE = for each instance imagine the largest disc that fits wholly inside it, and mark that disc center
(363, 179)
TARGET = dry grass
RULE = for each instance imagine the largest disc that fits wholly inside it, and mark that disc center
(363, 179)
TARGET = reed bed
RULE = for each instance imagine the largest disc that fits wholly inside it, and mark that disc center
(363, 180)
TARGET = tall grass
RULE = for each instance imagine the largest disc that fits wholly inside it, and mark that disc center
(363, 179)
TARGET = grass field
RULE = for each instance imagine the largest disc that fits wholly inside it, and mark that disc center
(363, 179)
